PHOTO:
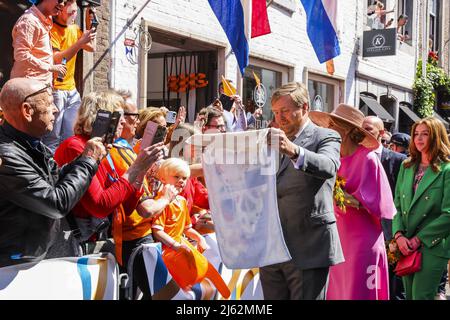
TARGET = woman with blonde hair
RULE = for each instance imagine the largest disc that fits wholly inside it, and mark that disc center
(422, 199)
(150, 114)
(107, 190)
(362, 199)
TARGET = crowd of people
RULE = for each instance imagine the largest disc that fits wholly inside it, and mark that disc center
(349, 195)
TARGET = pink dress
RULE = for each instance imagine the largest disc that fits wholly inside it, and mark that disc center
(364, 274)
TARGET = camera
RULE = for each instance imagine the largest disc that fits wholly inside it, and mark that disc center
(105, 125)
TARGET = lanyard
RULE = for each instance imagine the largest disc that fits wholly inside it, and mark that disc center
(111, 164)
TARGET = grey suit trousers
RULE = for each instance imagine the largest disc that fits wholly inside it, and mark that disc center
(285, 281)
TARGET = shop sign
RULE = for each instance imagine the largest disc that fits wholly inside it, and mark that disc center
(259, 95)
(380, 42)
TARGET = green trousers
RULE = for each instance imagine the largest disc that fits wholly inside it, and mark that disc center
(423, 285)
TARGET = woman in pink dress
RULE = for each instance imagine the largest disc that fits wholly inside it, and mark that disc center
(368, 198)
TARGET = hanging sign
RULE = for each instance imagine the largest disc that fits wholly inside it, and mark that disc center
(379, 42)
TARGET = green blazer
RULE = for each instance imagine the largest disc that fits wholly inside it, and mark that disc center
(425, 214)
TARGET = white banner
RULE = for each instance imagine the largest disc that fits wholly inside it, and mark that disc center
(240, 175)
(91, 277)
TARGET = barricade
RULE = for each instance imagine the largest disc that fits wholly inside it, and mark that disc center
(90, 277)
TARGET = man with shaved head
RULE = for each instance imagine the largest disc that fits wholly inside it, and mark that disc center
(391, 162)
(34, 193)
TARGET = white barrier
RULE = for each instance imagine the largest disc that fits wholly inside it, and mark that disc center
(91, 277)
(244, 284)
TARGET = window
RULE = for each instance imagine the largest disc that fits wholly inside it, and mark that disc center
(405, 20)
(321, 96)
(269, 78)
(434, 25)
(324, 92)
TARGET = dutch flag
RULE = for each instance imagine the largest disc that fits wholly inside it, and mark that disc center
(322, 28)
(234, 18)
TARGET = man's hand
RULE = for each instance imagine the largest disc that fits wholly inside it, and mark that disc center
(258, 113)
(58, 68)
(237, 104)
(404, 245)
(285, 145)
(95, 149)
(148, 156)
(169, 192)
(87, 36)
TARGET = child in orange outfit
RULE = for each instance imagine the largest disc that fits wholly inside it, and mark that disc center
(185, 263)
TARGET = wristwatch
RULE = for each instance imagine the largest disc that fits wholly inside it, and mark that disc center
(296, 154)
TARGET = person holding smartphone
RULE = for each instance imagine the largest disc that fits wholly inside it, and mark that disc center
(35, 195)
(137, 222)
(109, 192)
(67, 40)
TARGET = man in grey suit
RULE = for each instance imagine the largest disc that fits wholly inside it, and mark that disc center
(305, 181)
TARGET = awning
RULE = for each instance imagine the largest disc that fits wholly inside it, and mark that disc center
(445, 122)
(409, 113)
(378, 109)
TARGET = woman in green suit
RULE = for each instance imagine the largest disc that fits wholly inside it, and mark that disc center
(422, 199)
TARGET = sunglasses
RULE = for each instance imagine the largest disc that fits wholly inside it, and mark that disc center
(47, 88)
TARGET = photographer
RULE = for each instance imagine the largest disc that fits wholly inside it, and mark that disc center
(35, 194)
(108, 190)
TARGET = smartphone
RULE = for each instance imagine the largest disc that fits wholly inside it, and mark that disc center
(160, 135)
(171, 117)
(101, 124)
(227, 102)
(153, 133)
(112, 127)
(94, 24)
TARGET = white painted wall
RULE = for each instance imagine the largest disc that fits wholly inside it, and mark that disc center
(288, 44)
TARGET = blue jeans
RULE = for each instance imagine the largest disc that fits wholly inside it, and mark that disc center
(68, 103)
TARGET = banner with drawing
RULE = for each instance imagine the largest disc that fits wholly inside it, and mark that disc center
(240, 175)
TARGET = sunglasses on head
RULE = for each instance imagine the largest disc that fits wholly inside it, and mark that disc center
(47, 88)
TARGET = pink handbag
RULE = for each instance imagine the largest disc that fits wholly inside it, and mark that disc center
(409, 264)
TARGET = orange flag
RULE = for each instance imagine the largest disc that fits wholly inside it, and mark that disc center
(228, 88)
(330, 67)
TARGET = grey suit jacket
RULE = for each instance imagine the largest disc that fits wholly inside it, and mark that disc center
(305, 200)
